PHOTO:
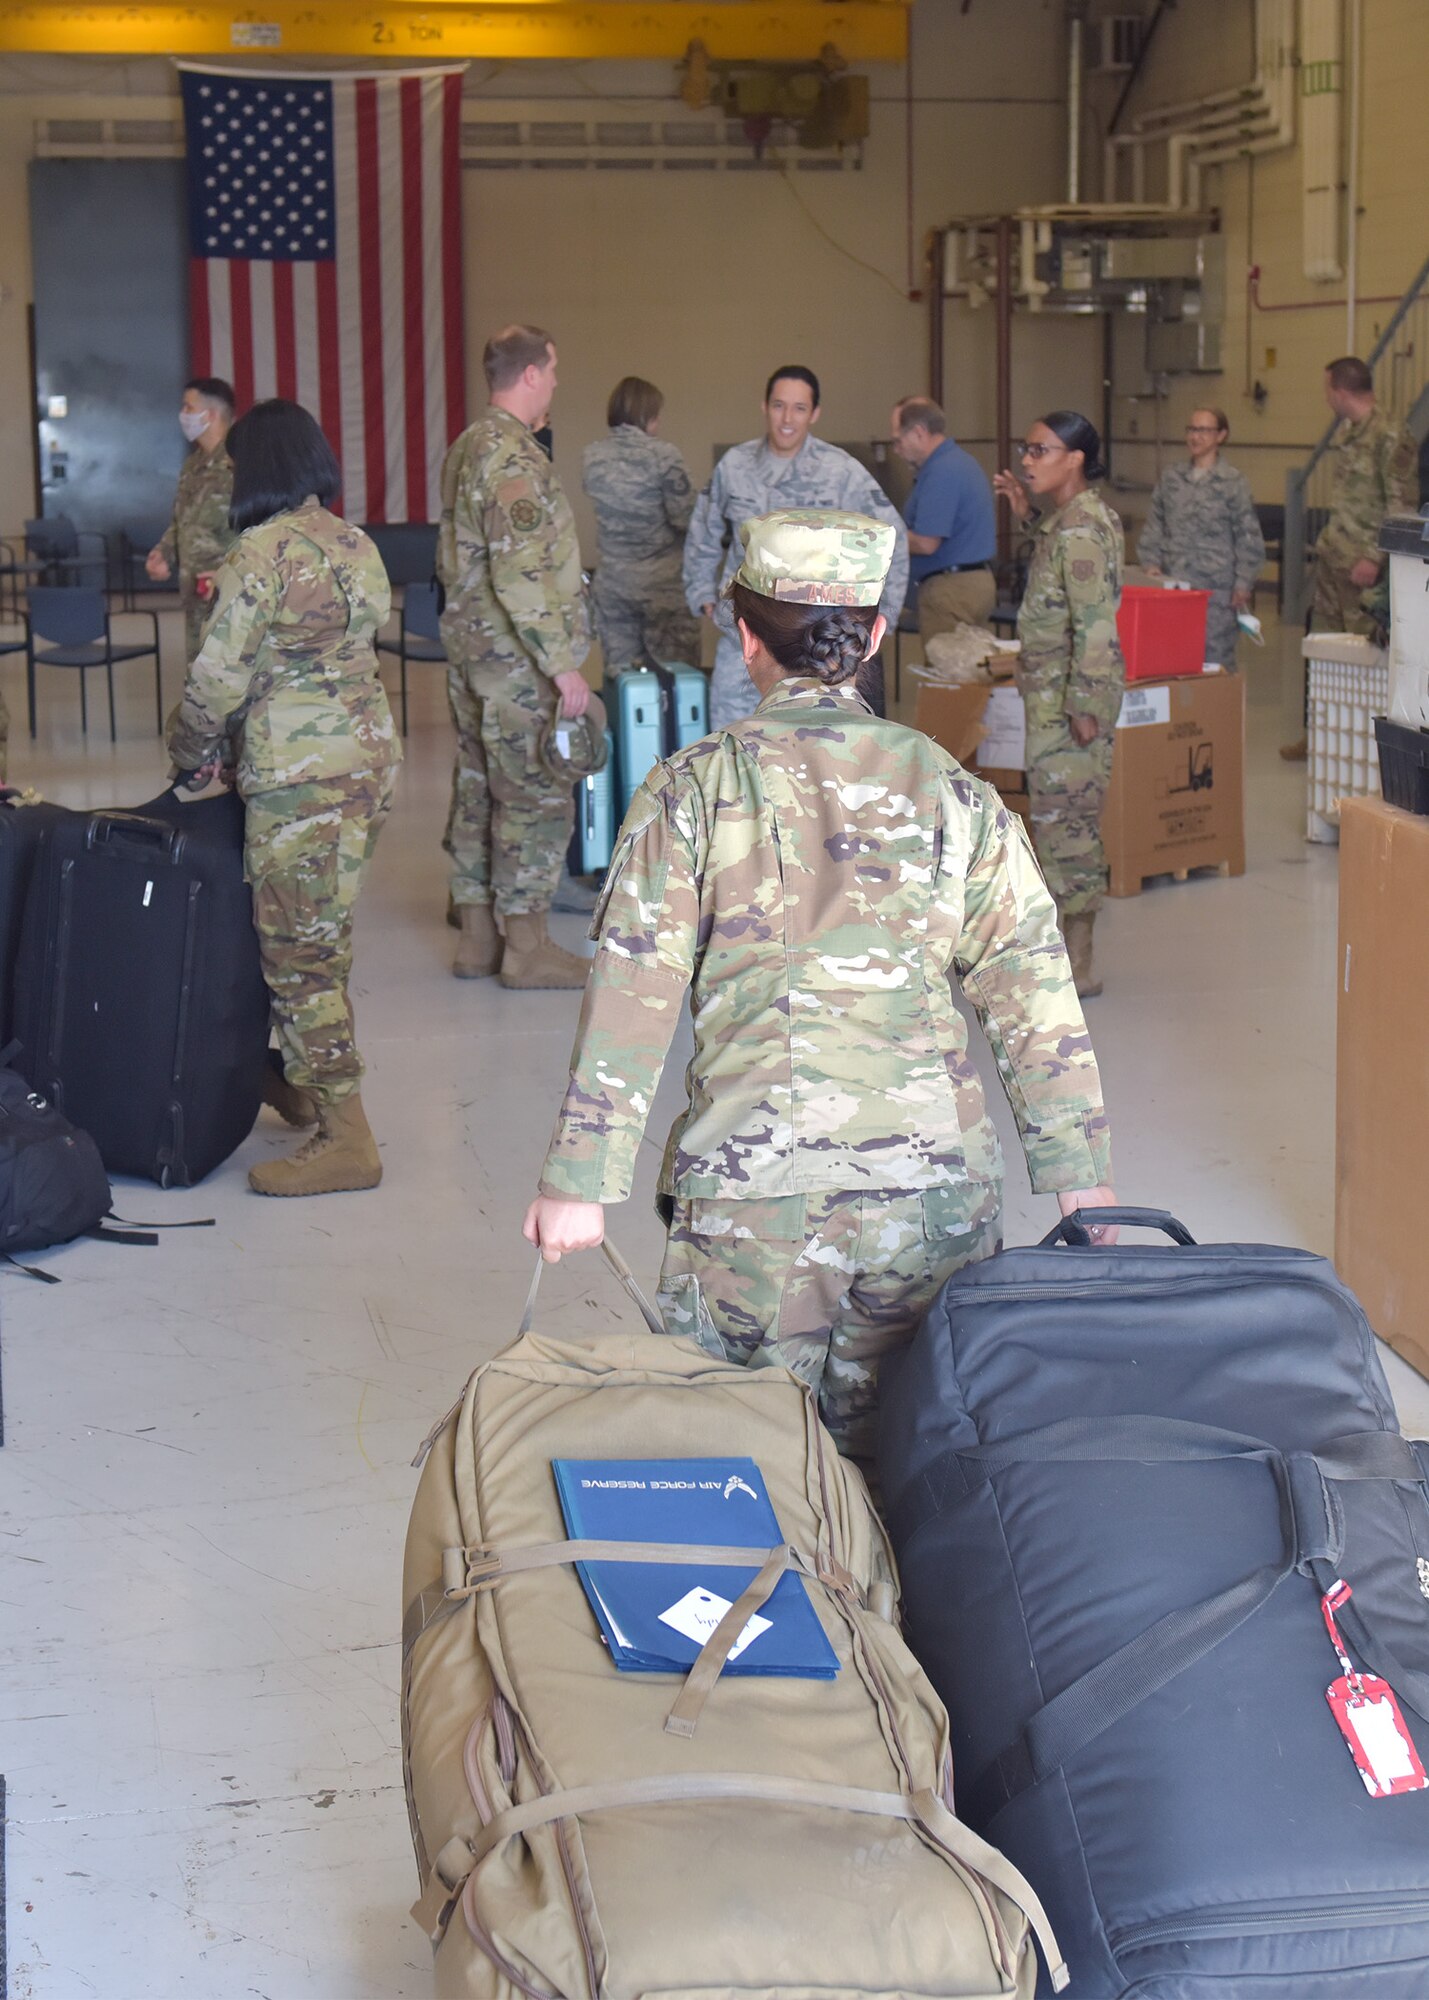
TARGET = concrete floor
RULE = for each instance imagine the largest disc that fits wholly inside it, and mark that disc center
(206, 1472)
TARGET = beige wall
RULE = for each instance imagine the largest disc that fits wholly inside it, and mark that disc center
(703, 282)
(1286, 349)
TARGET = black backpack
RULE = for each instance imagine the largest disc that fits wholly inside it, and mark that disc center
(53, 1186)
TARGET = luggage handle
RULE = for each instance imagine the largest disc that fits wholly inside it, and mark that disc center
(121, 829)
(1073, 1229)
(622, 1271)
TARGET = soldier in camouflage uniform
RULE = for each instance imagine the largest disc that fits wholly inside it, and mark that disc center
(1071, 672)
(813, 876)
(516, 630)
(1374, 473)
(1203, 530)
(288, 666)
(787, 468)
(642, 497)
(199, 536)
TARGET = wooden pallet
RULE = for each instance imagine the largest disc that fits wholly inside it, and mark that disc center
(1132, 885)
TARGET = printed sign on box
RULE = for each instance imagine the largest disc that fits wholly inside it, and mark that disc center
(1004, 743)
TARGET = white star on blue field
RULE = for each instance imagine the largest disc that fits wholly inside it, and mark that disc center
(260, 169)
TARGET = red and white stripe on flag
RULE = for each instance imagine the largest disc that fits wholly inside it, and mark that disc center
(365, 331)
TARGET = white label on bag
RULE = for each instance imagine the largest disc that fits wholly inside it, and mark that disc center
(148, 893)
(699, 1612)
(1143, 705)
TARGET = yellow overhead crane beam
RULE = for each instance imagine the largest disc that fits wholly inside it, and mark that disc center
(455, 30)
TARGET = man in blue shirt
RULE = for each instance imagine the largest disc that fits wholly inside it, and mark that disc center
(952, 523)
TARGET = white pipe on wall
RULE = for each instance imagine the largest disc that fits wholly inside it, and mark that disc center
(1322, 89)
(1354, 86)
(1075, 31)
(1253, 117)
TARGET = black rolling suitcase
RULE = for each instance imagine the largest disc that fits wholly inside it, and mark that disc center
(1120, 1484)
(139, 999)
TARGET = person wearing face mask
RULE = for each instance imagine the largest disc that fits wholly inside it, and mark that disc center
(815, 877)
(198, 536)
(1071, 670)
(787, 467)
(1203, 530)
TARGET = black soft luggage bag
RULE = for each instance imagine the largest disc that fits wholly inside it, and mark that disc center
(22, 829)
(140, 1003)
(1118, 1482)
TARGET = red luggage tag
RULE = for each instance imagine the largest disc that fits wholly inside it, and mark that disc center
(1368, 1714)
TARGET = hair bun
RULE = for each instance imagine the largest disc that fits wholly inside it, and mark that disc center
(834, 646)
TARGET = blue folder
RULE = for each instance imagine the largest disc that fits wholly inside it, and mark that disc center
(656, 1616)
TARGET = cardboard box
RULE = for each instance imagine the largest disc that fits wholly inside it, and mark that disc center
(953, 716)
(1382, 1071)
(1177, 797)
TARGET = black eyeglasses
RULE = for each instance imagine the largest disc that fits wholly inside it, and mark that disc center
(1039, 450)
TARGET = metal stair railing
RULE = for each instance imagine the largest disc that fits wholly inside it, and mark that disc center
(1402, 388)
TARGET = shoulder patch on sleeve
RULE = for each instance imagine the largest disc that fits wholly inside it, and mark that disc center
(1083, 569)
(525, 515)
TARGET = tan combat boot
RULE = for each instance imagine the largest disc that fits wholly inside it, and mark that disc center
(1078, 933)
(479, 953)
(532, 960)
(342, 1154)
(294, 1105)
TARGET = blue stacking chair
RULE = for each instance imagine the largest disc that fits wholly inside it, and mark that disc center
(75, 624)
(419, 634)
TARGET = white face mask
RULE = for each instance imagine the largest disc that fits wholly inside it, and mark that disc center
(193, 423)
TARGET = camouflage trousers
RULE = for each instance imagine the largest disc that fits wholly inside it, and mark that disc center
(1066, 789)
(510, 821)
(733, 694)
(1222, 631)
(824, 1284)
(1339, 604)
(640, 615)
(4, 741)
(305, 849)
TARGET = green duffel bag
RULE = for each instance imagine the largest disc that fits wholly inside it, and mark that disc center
(587, 1834)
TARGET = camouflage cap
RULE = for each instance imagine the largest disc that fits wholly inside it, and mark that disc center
(575, 747)
(816, 555)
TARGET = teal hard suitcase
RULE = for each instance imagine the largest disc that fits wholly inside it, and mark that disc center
(657, 710)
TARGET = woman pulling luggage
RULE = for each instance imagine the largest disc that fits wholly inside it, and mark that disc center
(813, 875)
(643, 499)
(289, 669)
(1071, 672)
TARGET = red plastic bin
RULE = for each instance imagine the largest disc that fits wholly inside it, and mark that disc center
(1163, 632)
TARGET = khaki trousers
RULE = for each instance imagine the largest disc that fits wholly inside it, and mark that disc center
(953, 598)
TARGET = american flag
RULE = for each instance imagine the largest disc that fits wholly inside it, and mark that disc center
(325, 243)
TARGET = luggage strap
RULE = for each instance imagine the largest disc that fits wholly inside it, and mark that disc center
(466, 1571)
(622, 1271)
(1313, 1525)
(923, 1809)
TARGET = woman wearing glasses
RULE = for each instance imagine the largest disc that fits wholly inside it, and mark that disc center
(1071, 672)
(1203, 530)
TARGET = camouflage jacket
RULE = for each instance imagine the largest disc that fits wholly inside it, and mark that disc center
(1204, 531)
(751, 479)
(198, 536)
(642, 496)
(813, 875)
(288, 660)
(507, 554)
(1374, 473)
(1067, 623)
